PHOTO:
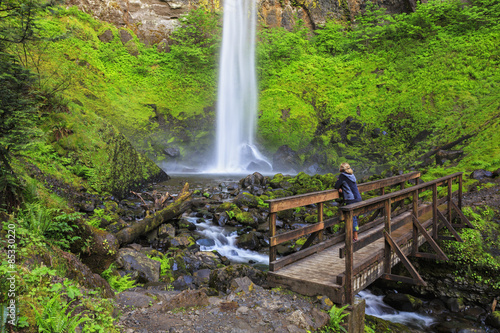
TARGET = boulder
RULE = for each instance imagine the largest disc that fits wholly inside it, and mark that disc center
(480, 174)
(249, 241)
(221, 279)
(131, 260)
(493, 319)
(187, 299)
(447, 155)
(173, 152)
(403, 302)
(134, 299)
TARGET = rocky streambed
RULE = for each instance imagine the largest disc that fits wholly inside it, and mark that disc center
(185, 283)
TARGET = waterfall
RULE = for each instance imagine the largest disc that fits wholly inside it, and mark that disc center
(237, 92)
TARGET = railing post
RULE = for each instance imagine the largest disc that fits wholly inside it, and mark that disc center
(415, 228)
(460, 191)
(450, 192)
(348, 257)
(320, 219)
(272, 232)
(434, 212)
(387, 227)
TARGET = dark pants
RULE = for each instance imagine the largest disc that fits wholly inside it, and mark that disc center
(354, 218)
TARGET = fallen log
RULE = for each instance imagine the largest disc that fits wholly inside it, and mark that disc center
(149, 223)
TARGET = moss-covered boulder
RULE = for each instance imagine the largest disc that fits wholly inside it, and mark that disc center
(221, 278)
(403, 302)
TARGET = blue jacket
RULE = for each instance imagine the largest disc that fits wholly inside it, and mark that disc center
(349, 188)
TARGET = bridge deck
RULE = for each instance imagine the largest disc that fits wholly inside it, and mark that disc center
(317, 273)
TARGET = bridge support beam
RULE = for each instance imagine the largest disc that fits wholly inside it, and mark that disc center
(356, 318)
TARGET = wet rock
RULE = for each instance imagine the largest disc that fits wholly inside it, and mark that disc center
(246, 199)
(206, 242)
(221, 219)
(403, 302)
(255, 179)
(480, 174)
(180, 242)
(132, 260)
(249, 241)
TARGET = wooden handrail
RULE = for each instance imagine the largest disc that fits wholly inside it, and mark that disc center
(280, 204)
(277, 205)
(396, 196)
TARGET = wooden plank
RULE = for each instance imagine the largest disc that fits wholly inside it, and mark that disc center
(349, 290)
(432, 243)
(434, 210)
(320, 219)
(272, 232)
(365, 187)
(449, 226)
(294, 234)
(399, 278)
(282, 262)
(404, 260)
(461, 214)
(387, 229)
(276, 205)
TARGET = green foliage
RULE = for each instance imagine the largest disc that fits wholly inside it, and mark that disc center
(197, 40)
(117, 282)
(165, 264)
(337, 316)
(474, 258)
(57, 317)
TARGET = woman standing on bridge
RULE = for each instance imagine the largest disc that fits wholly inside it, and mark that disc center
(346, 184)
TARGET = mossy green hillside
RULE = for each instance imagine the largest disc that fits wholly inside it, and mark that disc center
(404, 83)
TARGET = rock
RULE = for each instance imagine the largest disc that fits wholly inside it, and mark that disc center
(106, 36)
(319, 318)
(206, 242)
(255, 179)
(125, 36)
(447, 155)
(299, 319)
(496, 173)
(403, 302)
(187, 299)
(202, 277)
(493, 319)
(132, 260)
(220, 279)
(180, 242)
(184, 282)
(166, 230)
(78, 271)
(249, 241)
(286, 160)
(455, 304)
(103, 250)
(133, 298)
(243, 284)
(172, 152)
(480, 174)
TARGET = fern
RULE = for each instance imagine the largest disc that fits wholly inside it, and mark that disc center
(55, 317)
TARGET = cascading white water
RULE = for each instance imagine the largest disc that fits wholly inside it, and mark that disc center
(237, 93)
(375, 306)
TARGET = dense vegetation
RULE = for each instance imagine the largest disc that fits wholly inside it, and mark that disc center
(379, 91)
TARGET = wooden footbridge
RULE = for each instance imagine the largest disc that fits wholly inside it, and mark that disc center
(396, 225)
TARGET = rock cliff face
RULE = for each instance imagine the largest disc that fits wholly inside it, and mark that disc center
(154, 20)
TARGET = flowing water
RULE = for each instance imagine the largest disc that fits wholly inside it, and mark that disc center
(237, 92)
(375, 306)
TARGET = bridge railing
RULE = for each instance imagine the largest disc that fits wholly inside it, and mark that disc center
(316, 230)
(384, 202)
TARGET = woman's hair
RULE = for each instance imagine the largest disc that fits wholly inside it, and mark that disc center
(345, 167)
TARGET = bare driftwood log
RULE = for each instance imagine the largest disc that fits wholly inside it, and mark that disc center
(179, 206)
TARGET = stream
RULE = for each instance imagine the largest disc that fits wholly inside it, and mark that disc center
(223, 240)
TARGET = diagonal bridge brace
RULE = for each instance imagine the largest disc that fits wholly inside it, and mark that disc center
(417, 279)
(462, 216)
(439, 253)
(448, 225)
